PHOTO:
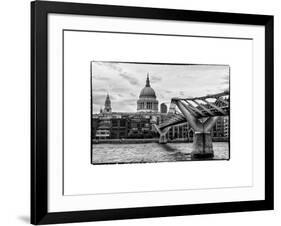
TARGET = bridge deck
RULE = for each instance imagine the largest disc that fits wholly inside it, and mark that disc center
(173, 120)
(199, 107)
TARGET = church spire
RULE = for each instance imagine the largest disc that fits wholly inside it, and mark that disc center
(147, 81)
(107, 104)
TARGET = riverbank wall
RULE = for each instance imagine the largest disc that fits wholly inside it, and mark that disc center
(152, 140)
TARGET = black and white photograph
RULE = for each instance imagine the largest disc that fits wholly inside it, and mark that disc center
(159, 112)
(140, 112)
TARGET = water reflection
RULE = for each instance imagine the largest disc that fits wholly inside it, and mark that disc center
(150, 152)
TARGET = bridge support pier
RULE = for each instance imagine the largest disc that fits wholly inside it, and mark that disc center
(202, 145)
(163, 138)
(202, 139)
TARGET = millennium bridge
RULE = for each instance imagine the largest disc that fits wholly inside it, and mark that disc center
(201, 113)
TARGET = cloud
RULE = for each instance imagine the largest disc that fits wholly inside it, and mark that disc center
(120, 95)
(102, 78)
(103, 90)
(124, 81)
(167, 91)
(113, 66)
(118, 90)
(155, 79)
(225, 80)
(121, 72)
(129, 78)
(98, 99)
(161, 96)
(130, 103)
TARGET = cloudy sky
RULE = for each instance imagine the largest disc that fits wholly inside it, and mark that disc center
(124, 81)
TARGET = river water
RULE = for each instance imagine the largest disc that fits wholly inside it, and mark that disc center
(150, 152)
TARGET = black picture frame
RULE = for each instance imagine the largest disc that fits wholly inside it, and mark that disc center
(39, 112)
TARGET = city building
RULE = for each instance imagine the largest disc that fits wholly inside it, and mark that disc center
(139, 125)
(226, 126)
(103, 127)
(147, 101)
(107, 105)
(221, 128)
(179, 132)
(163, 108)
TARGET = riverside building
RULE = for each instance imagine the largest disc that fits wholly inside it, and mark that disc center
(138, 125)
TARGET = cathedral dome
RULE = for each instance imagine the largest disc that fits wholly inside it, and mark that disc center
(147, 91)
(147, 101)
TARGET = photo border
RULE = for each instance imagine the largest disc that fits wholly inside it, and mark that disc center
(171, 64)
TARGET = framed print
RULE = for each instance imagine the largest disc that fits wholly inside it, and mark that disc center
(144, 112)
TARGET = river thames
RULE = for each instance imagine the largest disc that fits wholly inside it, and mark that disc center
(151, 152)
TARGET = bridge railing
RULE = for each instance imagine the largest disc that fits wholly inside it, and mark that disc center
(207, 106)
(199, 107)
